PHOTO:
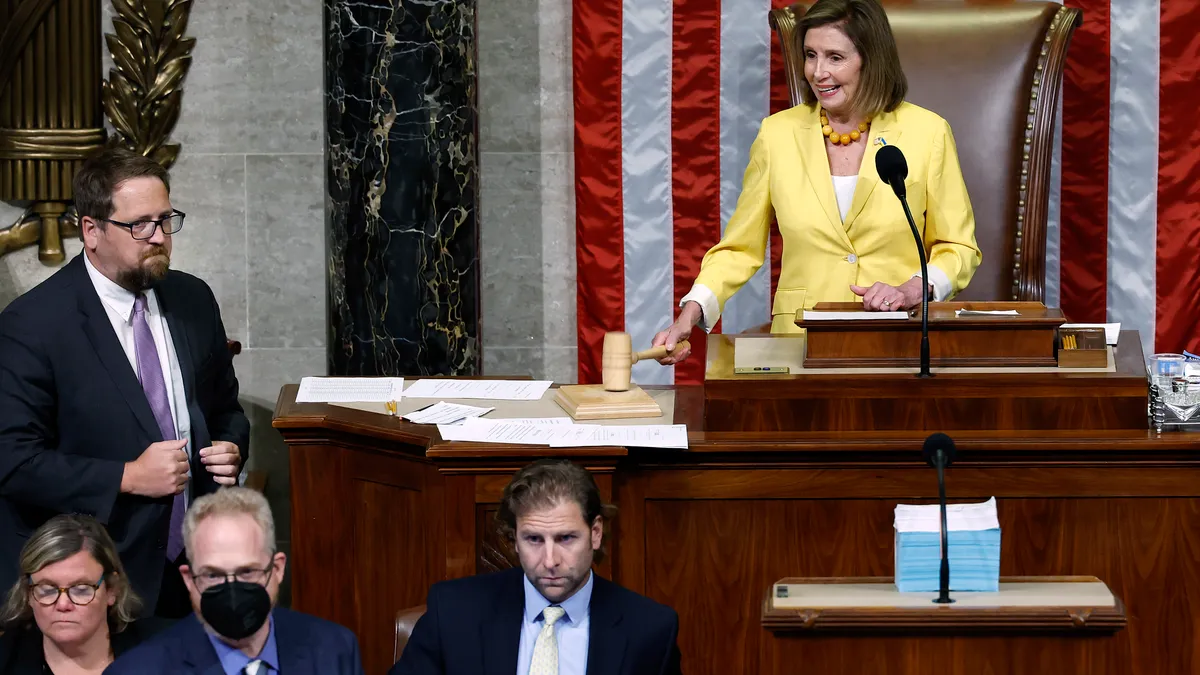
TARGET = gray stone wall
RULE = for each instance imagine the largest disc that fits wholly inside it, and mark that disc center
(527, 167)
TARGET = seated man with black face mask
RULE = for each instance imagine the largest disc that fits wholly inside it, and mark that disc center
(233, 576)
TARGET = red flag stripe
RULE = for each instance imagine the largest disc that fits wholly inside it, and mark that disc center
(1178, 261)
(695, 151)
(599, 238)
(1084, 233)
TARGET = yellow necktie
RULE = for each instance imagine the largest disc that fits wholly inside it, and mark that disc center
(545, 650)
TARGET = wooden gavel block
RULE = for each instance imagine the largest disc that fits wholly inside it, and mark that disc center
(618, 358)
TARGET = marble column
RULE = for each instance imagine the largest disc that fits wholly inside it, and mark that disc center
(402, 172)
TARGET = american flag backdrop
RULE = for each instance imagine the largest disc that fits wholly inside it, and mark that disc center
(669, 95)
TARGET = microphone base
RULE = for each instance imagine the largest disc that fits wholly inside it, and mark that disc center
(943, 601)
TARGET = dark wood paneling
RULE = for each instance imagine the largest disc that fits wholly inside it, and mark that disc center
(704, 558)
(358, 517)
(943, 656)
(461, 532)
(389, 549)
(1042, 400)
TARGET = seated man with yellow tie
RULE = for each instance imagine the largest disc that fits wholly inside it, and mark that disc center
(553, 615)
(812, 169)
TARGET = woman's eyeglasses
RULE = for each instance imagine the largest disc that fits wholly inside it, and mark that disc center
(79, 594)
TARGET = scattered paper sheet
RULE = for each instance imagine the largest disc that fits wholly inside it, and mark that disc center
(482, 430)
(646, 436)
(350, 389)
(986, 312)
(814, 315)
(529, 420)
(959, 517)
(501, 390)
(1112, 331)
(445, 413)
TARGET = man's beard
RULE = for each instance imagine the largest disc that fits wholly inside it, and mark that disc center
(146, 276)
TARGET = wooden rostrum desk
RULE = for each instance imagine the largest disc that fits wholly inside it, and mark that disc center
(382, 509)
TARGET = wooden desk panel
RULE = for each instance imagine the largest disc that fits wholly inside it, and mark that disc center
(383, 508)
(950, 401)
(701, 550)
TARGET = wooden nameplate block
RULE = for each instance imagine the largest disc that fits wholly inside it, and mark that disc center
(1027, 339)
(592, 402)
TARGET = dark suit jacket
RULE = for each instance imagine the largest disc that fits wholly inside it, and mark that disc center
(21, 649)
(72, 413)
(306, 645)
(472, 626)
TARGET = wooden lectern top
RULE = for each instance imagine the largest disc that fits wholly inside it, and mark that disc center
(1026, 337)
(872, 604)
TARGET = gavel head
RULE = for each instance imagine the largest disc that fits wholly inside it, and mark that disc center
(617, 361)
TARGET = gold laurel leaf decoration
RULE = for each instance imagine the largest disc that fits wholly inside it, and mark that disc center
(144, 90)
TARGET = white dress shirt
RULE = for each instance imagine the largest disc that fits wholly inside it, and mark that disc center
(572, 631)
(118, 304)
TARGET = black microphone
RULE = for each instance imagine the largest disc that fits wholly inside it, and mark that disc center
(893, 169)
(939, 453)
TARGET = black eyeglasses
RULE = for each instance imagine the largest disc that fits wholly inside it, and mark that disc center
(79, 594)
(250, 575)
(144, 229)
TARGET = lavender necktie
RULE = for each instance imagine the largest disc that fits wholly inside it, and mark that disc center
(149, 371)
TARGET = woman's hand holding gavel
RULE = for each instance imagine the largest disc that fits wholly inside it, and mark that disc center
(677, 332)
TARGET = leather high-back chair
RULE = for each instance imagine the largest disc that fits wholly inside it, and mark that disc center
(993, 72)
(406, 620)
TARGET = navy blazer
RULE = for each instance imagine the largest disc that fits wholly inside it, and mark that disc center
(72, 413)
(21, 649)
(307, 646)
(472, 626)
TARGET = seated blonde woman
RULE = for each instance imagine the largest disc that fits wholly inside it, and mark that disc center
(72, 611)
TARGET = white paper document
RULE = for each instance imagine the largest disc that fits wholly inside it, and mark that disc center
(529, 420)
(959, 517)
(1112, 331)
(445, 413)
(814, 315)
(350, 389)
(986, 312)
(499, 390)
(482, 430)
(643, 436)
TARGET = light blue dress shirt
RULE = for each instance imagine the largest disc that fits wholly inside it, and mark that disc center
(234, 661)
(571, 630)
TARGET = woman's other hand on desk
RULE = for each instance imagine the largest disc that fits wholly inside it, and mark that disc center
(680, 330)
(881, 297)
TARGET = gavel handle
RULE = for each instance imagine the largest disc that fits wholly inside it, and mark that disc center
(659, 351)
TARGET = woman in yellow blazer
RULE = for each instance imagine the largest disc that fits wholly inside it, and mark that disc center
(812, 169)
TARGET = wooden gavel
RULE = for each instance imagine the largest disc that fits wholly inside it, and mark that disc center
(618, 359)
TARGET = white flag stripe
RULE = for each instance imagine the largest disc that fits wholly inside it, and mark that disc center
(1133, 166)
(646, 177)
(1054, 216)
(745, 101)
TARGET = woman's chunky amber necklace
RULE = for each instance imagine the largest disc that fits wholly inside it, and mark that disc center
(842, 139)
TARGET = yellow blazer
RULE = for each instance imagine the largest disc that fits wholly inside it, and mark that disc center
(788, 179)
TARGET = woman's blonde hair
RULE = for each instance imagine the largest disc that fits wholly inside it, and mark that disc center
(882, 85)
(56, 540)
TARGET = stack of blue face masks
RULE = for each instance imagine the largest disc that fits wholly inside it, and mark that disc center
(974, 543)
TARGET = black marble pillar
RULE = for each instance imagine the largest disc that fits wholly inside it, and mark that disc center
(402, 167)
